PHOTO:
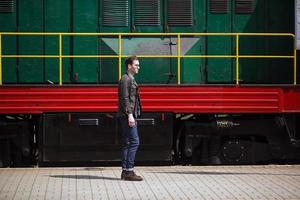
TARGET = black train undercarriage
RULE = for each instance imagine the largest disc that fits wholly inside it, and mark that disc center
(77, 139)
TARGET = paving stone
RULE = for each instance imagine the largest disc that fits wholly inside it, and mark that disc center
(167, 182)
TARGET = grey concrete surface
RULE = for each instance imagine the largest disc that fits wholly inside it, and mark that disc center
(167, 182)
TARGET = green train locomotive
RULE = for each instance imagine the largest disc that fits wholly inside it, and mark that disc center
(219, 80)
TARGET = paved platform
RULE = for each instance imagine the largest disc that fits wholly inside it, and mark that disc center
(168, 182)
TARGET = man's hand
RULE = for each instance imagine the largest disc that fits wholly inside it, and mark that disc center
(131, 121)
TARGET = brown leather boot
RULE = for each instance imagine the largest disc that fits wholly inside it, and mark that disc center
(131, 176)
(123, 174)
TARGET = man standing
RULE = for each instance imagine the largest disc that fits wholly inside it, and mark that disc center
(129, 109)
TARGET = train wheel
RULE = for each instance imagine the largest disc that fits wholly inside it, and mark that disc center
(233, 151)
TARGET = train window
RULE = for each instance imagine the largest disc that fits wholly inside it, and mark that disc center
(180, 13)
(244, 6)
(6, 6)
(147, 13)
(218, 6)
(115, 12)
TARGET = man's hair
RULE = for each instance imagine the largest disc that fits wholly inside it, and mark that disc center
(130, 60)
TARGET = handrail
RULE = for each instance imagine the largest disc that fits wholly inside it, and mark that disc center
(237, 59)
(178, 59)
(119, 36)
(120, 54)
(146, 34)
(60, 59)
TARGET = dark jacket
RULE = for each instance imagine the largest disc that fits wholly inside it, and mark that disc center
(129, 97)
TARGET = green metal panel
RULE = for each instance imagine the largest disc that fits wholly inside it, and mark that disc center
(8, 24)
(251, 70)
(88, 16)
(165, 70)
(114, 16)
(145, 11)
(30, 20)
(57, 19)
(279, 15)
(109, 67)
(193, 70)
(153, 70)
(159, 72)
(198, 13)
(85, 15)
(268, 16)
(219, 70)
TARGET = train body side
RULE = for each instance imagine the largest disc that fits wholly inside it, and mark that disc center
(71, 125)
(197, 16)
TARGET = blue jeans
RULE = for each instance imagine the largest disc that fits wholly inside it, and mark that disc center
(130, 144)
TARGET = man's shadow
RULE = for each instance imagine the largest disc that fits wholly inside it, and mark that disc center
(85, 177)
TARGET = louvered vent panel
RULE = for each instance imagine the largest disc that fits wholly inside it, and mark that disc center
(180, 13)
(7, 6)
(218, 6)
(147, 13)
(244, 6)
(115, 13)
